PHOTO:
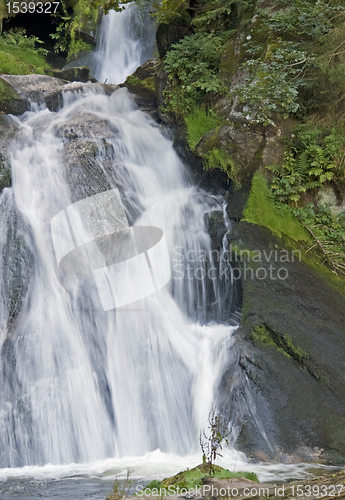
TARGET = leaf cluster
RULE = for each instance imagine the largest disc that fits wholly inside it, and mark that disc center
(271, 83)
(192, 68)
(312, 157)
(18, 37)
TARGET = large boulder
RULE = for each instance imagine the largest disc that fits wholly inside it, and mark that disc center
(35, 88)
(291, 350)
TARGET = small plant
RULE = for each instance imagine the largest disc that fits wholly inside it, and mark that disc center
(121, 489)
(212, 443)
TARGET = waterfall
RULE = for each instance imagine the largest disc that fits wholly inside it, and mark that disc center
(78, 383)
(125, 41)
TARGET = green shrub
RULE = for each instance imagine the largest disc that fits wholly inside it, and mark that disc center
(312, 158)
(192, 67)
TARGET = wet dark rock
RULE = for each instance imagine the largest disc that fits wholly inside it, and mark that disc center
(161, 81)
(7, 131)
(79, 74)
(167, 35)
(141, 85)
(292, 350)
(149, 68)
(242, 145)
(216, 227)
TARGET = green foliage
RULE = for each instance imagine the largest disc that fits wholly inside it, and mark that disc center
(19, 55)
(303, 20)
(198, 123)
(172, 11)
(286, 59)
(261, 210)
(272, 82)
(328, 231)
(192, 68)
(312, 158)
(215, 14)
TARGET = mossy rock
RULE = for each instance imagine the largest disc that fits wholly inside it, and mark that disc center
(10, 101)
(190, 478)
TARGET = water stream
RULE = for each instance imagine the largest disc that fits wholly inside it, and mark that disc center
(84, 392)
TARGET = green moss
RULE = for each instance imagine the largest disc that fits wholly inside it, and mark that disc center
(148, 82)
(283, 343)
(16, 60)
(191, 478)
(261, 210)
(220, 159)
(198, 123)
(7, 93)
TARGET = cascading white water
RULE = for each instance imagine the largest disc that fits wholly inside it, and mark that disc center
(79, 384)
(124, 43)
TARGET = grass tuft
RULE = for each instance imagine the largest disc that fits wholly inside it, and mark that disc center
(261, 210)
(198, 123)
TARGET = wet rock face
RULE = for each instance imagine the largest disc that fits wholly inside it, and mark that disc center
(292, 350)
(167, 35)
(79, 74)
(7, 131)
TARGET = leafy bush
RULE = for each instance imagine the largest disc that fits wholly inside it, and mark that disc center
(172, 11)
(19, 55)
(311, 159)
(271, 83)
(192, 67)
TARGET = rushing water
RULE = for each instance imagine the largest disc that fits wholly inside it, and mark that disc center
(91, 392)
(125, 42)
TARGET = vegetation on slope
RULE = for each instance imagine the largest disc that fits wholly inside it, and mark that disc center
(19, 54)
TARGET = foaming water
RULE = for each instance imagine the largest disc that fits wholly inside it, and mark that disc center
(126, 41)
(79, 384)
(159, 465)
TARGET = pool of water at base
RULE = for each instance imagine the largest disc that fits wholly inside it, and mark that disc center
(82, 481)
